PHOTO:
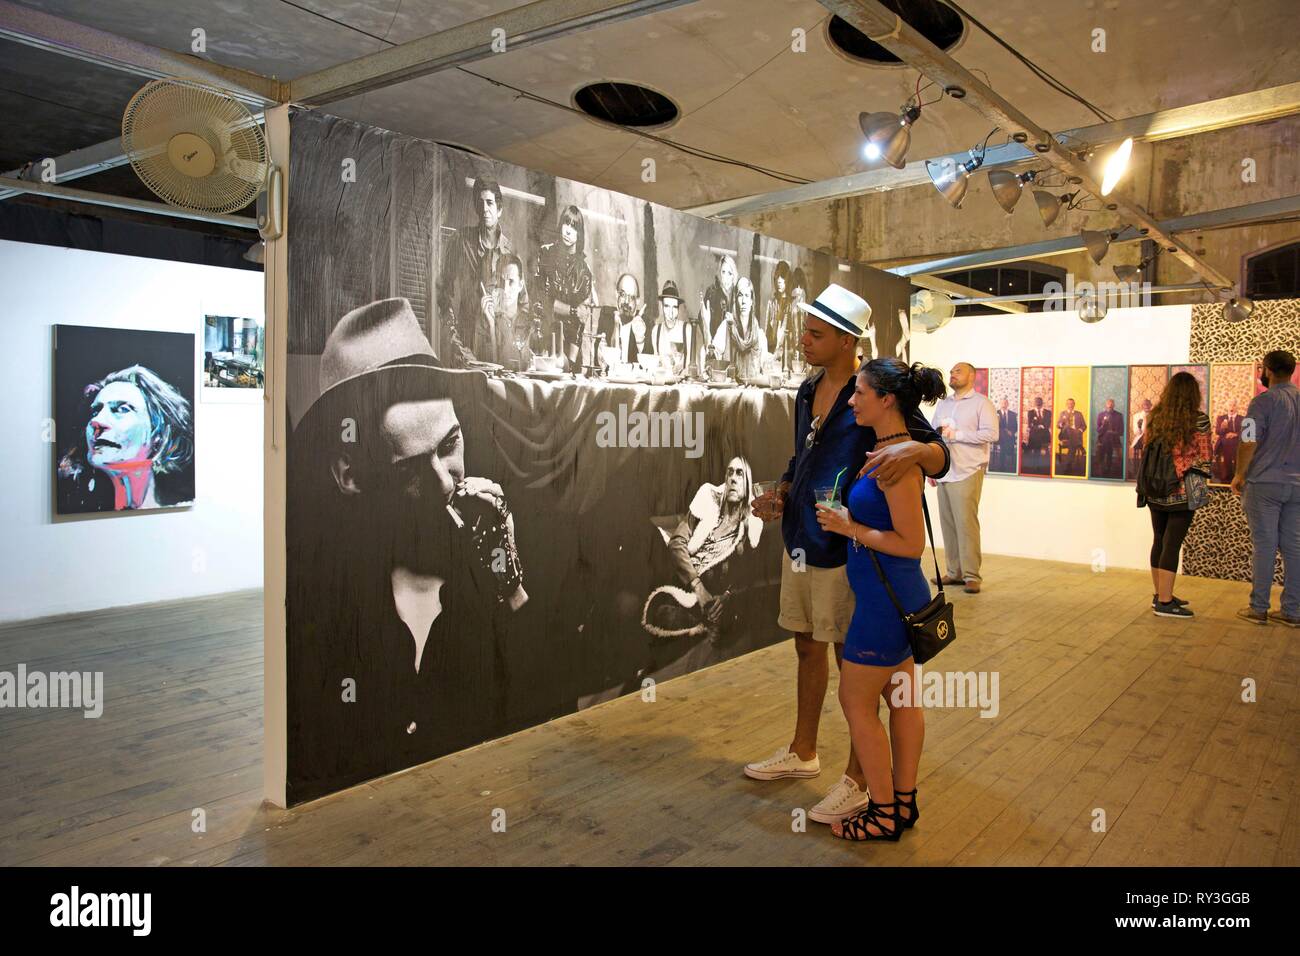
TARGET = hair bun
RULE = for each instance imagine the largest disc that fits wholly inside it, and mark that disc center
(928, 382)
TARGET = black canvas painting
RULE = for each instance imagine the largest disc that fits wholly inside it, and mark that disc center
(124, 419)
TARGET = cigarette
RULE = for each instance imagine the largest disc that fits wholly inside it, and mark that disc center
(456, 519)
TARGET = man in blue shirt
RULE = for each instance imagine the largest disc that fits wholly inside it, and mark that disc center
(1268, 479)
(816, 600)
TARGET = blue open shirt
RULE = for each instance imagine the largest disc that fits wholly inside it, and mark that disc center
(841, 443)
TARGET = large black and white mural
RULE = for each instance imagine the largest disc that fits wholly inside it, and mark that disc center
(527, 418)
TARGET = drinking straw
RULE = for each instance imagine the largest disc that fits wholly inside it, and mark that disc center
(835, 488)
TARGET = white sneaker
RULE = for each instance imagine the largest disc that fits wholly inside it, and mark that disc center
(783, 763)
(844, 800)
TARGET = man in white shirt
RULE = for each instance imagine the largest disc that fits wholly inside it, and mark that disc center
(969, 424)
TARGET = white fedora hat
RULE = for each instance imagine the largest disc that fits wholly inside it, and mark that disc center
(841, 308)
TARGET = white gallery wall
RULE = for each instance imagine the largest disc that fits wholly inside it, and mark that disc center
(1061, 519)
(50, 566)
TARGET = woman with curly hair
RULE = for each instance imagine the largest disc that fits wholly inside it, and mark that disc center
(1177, 442)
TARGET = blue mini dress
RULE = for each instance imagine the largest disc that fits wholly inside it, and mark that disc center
(877, 635)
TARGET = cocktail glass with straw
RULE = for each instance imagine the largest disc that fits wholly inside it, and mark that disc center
(830, 497)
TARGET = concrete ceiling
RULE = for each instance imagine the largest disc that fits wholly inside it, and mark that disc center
(727, 64)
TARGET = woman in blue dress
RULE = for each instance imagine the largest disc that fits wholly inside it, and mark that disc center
(887, 520)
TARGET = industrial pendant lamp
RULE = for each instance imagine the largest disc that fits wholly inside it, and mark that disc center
(1007, 187)
(1129, 273)
(1097, 243)
(1238, 309)
(888, 134)
(1091, 307)
(1050, 205)
(952, 178)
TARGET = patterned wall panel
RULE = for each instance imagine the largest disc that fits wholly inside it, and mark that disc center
(1218, 545)
(1275, 324)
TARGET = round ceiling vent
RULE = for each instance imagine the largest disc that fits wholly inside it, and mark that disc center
(625, 104)
(934, 20)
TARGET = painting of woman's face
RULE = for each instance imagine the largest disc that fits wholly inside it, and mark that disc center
(568, 233)
(123, 408)
(119, 426)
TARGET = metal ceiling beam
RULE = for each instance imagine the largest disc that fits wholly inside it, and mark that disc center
(1241, 110)
(47, 32)
(888, 29)
(1199, 222)
(73, 165)
(1000, 301)
(936, 284)
(122, 202)
(80, 162)
(524, 26)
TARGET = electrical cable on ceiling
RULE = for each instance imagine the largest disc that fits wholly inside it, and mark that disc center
(328, 19)
(1035, 68)
(694, 151)
(916, 97)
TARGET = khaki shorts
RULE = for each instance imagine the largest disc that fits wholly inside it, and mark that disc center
(816, 601)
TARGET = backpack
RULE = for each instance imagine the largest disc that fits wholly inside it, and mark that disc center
(1157, 479)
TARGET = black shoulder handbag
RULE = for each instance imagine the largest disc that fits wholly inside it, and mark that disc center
(932, 628)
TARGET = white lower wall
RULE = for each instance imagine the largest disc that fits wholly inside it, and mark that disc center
(49, 567)
(1061, 519)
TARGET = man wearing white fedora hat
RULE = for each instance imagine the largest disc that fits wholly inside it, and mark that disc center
(402, 569)
(816, 600)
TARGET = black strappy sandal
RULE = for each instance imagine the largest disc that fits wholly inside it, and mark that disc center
(855, 827)
(909, 805)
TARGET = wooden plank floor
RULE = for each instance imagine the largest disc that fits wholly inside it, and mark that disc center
(1103, 706)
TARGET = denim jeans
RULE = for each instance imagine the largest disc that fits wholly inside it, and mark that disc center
(1273, 512)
